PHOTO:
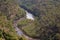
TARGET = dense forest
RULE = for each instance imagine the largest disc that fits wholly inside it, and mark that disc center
(47, 19)
(46, 23)
(8, 11)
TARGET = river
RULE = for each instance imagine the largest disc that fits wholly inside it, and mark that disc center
(19, 31)
(29, 16)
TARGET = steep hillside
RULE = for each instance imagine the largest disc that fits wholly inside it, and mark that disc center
(47, 24)
(38, 6)
(9, 11)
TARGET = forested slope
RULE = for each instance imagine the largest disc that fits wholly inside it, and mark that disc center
(47, 23)
(9, 11)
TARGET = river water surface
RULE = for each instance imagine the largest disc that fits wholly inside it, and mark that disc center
(18, 30)
(29, 16)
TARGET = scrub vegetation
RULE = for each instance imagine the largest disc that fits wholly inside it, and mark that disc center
(47, 13)
(8, 11)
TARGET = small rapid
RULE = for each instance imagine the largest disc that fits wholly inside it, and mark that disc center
(29, 16)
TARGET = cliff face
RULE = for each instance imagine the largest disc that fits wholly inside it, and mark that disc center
(47, 23)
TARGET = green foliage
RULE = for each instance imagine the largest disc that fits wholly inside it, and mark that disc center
(48, 19)
(24, 22)
(8, 10)
(20, 14)
(29, 26)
